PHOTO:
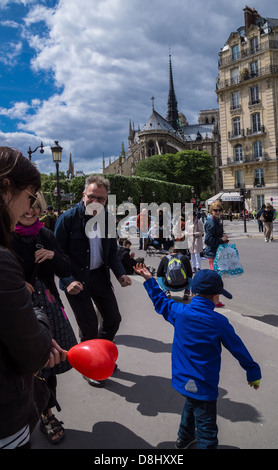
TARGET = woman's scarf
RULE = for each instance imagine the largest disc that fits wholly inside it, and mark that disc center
(31, 231)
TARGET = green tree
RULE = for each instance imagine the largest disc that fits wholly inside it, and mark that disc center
(189, 167)
(154, 167)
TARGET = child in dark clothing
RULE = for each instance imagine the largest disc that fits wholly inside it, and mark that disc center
(196, 353)
(127, 258)
(162, 280)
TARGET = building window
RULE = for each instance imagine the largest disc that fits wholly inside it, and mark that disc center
(256, 122)
(259, 177)
(235, 52)
(236, 126)
(235, 100)
(162, 147)
(254, 95)
(260, 201)
(235, 76)
(254, 69)
(238, 153)
(254, 45)
(257, 149)
(239, 179)
(151, 148)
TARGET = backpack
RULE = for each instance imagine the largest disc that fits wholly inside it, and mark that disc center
(175, 273)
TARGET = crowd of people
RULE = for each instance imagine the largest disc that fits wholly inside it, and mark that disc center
(35, 332)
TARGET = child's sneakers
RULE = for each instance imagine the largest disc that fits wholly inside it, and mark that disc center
(181, 444)
(219, 305)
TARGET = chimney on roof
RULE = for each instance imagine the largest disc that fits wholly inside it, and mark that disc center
(250, 16)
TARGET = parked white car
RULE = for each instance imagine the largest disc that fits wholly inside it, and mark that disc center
(130, 225)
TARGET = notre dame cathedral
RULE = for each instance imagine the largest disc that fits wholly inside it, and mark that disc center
(171, 134)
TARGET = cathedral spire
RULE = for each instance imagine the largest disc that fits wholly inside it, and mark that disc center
(173, 114)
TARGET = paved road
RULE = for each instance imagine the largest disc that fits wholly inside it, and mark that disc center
(138, 409)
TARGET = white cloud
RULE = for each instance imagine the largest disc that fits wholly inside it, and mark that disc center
(108, 57)
(5, 3)
(9, 53)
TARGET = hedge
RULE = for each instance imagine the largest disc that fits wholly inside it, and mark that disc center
(123, 187)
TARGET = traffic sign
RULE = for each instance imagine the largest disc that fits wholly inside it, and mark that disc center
(193, 201)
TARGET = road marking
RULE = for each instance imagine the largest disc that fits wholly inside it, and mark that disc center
(257, 325)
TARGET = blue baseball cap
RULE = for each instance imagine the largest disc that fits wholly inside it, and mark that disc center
(208, 282)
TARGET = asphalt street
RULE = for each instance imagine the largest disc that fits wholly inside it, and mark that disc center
(138, 408)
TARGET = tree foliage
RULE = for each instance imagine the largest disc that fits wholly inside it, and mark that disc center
(123, 187)
(189, 167)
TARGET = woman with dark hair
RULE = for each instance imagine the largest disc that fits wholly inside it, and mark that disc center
(41, 258)
(26, 344)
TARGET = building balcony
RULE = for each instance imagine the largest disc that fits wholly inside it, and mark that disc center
(247, 52)
(262, 72)
(257, 130)
(247, 159)
(259, 183)
(240, 134)
(250, 132)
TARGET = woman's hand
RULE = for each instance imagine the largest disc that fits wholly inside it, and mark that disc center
(57, 355)
(43, 255)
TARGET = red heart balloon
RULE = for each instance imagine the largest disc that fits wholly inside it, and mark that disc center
(94, 358)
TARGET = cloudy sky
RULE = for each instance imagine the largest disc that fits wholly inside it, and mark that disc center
(79, 71)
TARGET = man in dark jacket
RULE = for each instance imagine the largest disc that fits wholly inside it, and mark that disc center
(92, 255)
(267, 219)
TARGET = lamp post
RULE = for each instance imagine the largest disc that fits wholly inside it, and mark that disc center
(57, 157)
(33, 151)
(242, 192)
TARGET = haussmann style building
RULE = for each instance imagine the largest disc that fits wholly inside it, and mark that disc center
(247, 90)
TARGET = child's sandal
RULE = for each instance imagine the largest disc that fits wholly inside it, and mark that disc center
(51, 426)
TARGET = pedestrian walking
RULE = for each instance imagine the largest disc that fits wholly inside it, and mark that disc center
(194, 230)
(143, 223)
(267, 220)
(258, 216)
(214, 235)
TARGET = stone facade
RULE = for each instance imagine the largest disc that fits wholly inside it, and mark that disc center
(247, 87)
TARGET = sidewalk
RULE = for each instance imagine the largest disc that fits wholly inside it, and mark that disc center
(138, 408)
(235, 229)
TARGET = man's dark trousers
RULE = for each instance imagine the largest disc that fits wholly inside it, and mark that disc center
(100, 292)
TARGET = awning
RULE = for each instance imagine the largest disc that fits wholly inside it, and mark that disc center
(214, 198)
(225, 197)
(232, 197)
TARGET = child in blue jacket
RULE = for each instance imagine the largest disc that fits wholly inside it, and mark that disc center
(196, 353)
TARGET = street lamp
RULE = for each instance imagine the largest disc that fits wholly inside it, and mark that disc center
(242, 192)
(33, 151)
(57, 157)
